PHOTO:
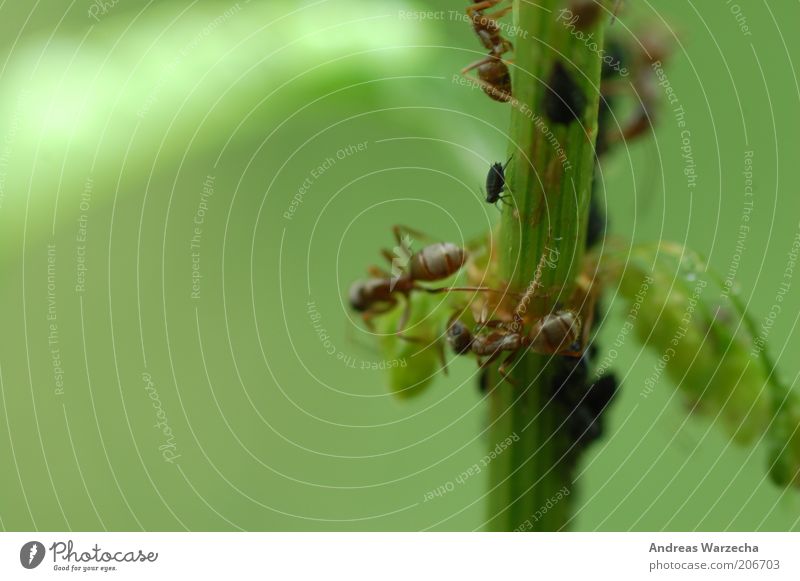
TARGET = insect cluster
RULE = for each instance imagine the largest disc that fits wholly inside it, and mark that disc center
(379, 294)
(705, 351)
(495, 326)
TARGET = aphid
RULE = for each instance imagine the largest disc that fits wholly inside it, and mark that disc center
(599, 396)
(483, 381)
(564, 102)
(602, 392)
(584, 13)
(493, 75)
(377, 295)
(584, 402)
(596, 223)
(784, 437)
(496, 182)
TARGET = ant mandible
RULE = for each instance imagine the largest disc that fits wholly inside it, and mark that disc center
(493, 75)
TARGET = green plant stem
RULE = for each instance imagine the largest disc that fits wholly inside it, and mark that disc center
(551, 198)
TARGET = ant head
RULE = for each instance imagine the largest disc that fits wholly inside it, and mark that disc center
(459, 338)
(359, 302)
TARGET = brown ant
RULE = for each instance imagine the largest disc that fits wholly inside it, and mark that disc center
(558, 333)
(377, 295)
(563, 332)
(643, 87)
(493, 75)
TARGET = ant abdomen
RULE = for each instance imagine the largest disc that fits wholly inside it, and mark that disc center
(497, 79)
(557, 332)
(437, 261)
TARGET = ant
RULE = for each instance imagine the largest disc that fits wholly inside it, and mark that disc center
(496, 183)
(555, 333)
(493, 75)
(643, 88)
(377, 295)
(562, 332)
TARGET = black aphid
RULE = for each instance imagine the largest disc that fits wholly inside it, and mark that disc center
(483, 382)
(565, 101)
(596, 225)
(496, 182)
(583, 403)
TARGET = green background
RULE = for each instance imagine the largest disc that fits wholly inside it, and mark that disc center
(274, 433)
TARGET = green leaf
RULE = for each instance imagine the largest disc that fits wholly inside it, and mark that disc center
(419, 352)
(708, 346)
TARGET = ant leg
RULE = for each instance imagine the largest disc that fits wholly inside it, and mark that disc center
(496, 16)
(585, 298)
(401, 324)
(481, 6)
(476, 64)
(350, 337)
(377, 272)
(636, 127)
(614, 11)
(402, 245)
(492, 358)
(456, 314)
(504, 373)
(393, 259)
(516, 296)
(374, 312)
(466, 289)
(442, 356)
(588, 322)
(501, 369)
(399, 230)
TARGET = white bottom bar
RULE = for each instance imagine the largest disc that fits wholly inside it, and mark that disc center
(401, 556)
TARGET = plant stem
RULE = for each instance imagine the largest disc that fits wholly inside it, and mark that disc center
(550, 182)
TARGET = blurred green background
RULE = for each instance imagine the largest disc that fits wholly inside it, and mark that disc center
(143, 142)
